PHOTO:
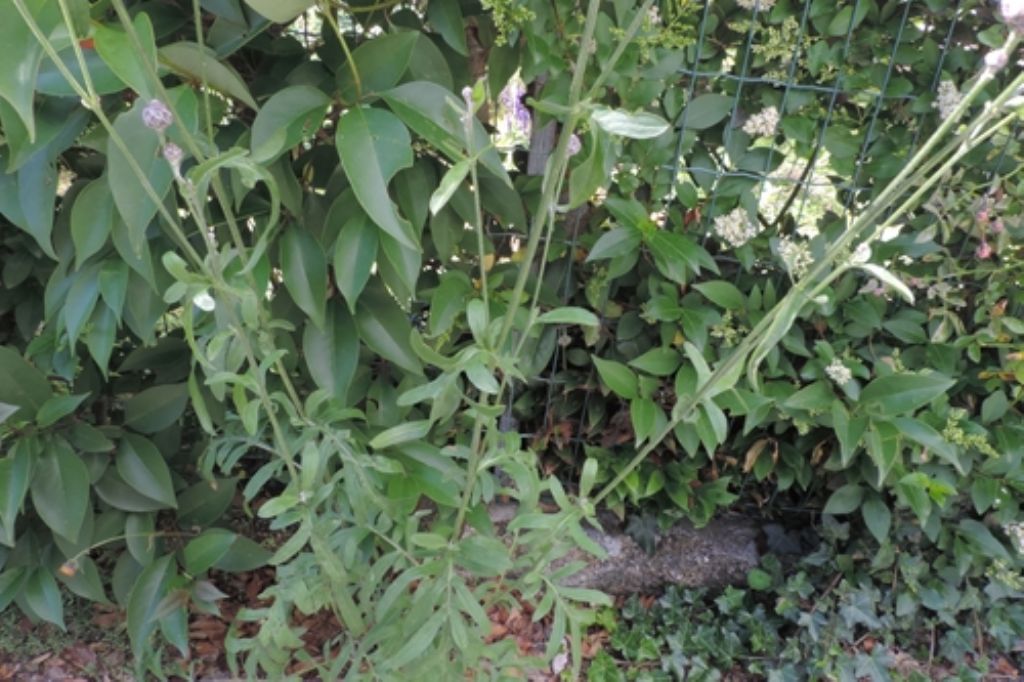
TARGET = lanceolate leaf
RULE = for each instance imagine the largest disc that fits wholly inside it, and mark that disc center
(901, 393)
(385, 329)
(355, 252)
(143, 600)
(22, 53)
(192, 62)
(304, 268)
(119, 53)
(332, 353)
(156, 408)
(374, 145)
(142, 467)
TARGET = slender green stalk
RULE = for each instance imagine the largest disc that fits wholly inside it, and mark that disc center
(328, 12)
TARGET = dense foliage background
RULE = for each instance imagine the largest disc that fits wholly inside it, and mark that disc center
(261, 259)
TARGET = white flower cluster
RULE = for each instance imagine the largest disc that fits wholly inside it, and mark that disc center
(736, 228)
(947, 99)
(796, 255)
(762, 5)
(763, 123)
(1016, 532)
(808, 231)
(838, 372)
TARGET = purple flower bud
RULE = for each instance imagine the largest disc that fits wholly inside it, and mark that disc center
(574, 145)
(984, 250)
(156, 116)
(174, 156)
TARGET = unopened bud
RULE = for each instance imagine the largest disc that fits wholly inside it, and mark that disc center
(574, 145)
(1013, 14)
(984, 250)
(996, 60)
(156, 116)
(174, 156)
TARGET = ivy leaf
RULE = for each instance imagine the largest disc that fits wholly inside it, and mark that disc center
(374, 145)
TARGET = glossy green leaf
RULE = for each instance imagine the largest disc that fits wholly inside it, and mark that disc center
(156, 408)
(60, 490)
(385, 329)
(113, 490)
(380, 62)
(119, 53)
(435, 114)
(205, 502)
(80, 301)
(37, 191)
(706, 110)
(723, 294)
(193, 63)
(43, 597)
(374, 145)
(304, 268)
(22, 54)
(288, 117)
(616, 242)
(21, 384)
(15, 474)
(332, 353)
(884, 446)
(139, 530)
(355, 252)
(280, 11)
(58, 407)
(902, 393)
(92, 219)
(202, 552)
(142, 467)
(446, 18)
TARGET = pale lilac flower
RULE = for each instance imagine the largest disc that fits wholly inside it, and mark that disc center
(947, 99)
(763, 123)
(174, 155)
(996, 60)
(998, 226)
(1013, 14)
(838, 372)
(862, 254)
(574, 145)
(156, 116)
(515, 116)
